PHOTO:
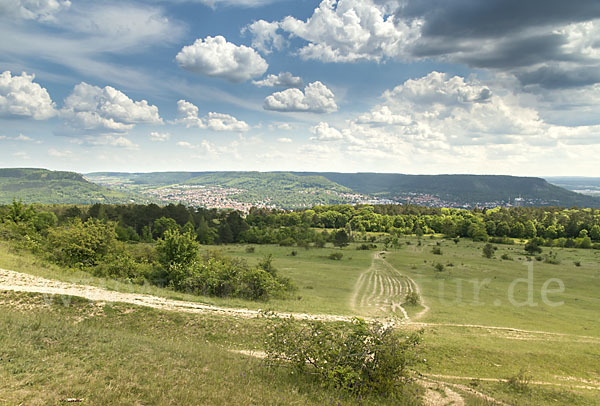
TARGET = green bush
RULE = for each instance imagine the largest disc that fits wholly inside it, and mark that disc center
(413, 298)
(218, 275)
(436, 251)
(488, 250)
(336, 256)
(358, 358)
(82, 244)
(439, 267)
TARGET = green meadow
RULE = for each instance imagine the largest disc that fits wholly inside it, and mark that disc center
(485, 321)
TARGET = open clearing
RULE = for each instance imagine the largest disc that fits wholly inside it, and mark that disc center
(472, 346)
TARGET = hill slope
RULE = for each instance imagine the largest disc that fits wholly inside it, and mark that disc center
(44, 186)
(461, 188)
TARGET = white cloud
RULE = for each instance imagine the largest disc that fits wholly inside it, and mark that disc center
(105, 110)
(383, 115)
(24, 138)
(214, 56)
(224, 122)
(111, 141)
(441, 121)
(59, 154)
(188, 116)
(159, 137)
(351, 30)
(21, 97)
(121, 26)
(316, 98)
(323, 132)
(284, 140)
(265, 37)
(42, 10)
(284, 79)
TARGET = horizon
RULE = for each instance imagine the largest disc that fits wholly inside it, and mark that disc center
(545, 177)
(348, 86)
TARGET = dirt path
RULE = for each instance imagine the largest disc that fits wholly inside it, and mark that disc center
(20, 282)
(577, 383)
(381, 290)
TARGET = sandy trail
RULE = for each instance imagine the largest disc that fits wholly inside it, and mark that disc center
(20, 282)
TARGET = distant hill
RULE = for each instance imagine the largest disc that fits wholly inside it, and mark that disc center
(281, 189)
(461, 188)
(43, 186)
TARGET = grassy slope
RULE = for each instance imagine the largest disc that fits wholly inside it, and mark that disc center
(325, 286)
(124, 355)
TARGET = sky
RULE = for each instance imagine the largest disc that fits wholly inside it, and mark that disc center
(402, 86)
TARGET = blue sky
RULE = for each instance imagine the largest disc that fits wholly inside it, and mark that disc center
(407, 86)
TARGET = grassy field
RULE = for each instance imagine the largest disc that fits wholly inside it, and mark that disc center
(116, 354)
(559, 351)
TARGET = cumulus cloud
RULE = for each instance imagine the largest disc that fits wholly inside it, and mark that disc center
(315, 98)
(159, 137)
(21, 97)
(265, 37)
(92, 109)
(548, 43)
(351, 30)
(214, 56)
(284, 79)
(455, 121)
(284, 140)
(42, 10)
(323, 132)
(188, 116)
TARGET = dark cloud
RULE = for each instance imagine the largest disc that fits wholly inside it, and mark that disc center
(517, 36)
(554, 77)
(492, 18)
(516, 52)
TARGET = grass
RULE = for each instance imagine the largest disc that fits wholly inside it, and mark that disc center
(125, 355)
(186, 343)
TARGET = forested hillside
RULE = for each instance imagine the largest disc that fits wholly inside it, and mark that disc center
(44, 186)
(461, 188)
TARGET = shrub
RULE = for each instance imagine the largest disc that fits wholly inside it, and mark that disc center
(250, 250)
(519, 382)
(436, 251)
(177, 248)
(82, 244)
(287, 242)
(335, 256)
(533, 246)
(358, 358)
(413, 298)
(506, 257)
(488, 250)
(439, 267)
(577, 263)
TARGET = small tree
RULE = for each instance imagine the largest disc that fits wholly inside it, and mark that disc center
(177, 248)
(532, 247)
(439, 267)
(488, 250)
(340, 238)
